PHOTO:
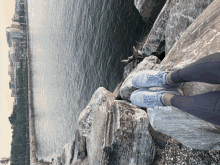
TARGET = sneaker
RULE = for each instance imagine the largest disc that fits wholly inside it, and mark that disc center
(146, 99)
(153, 78)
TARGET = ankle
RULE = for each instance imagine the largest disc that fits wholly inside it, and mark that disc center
(169, 78)
(167, 97)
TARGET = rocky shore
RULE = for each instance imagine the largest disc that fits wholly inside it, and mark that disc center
(113, 131)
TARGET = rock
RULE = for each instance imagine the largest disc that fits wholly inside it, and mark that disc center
(58, 160)
(119, 135)
(185, 128)
(81, 145)
(127, 70)
(175, 17)
(67, 153)
(200, 39)
(83, 161)
(79, 150)
(149, 9)
(42, 162)
(85, 119)
(127, 87)
(117, 91)
(72, 149)
(176, 153)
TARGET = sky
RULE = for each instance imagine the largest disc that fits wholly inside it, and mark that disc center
(6, 101)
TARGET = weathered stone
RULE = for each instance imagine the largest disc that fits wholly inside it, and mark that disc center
(175, 17)
(83, 161)
(187, 129)
(67, 153)
(81, 144)
(85, 119)
(42, 162)
(127, 70)
(58, 159)
(200, 39)
(117, 91)
(119, 135)
(149, 9)
(127, 87)
(176, 153)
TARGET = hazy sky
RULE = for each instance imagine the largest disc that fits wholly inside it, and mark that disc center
(6, 12)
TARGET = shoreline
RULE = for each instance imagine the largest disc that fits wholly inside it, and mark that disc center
(32, 137)
(31, 114)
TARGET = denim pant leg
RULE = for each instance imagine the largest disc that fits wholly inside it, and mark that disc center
(206, 69)
(204, 106)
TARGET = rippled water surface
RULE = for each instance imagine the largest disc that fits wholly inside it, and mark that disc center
(77, 46)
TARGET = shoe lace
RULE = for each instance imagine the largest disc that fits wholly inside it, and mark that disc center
(152, 101)
(151, 78)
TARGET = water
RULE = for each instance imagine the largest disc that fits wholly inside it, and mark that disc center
(77, 46)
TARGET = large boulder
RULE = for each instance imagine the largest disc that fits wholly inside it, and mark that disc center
(127, 87)
(187, 129)
(199, 40)
(175, 17)
(149, 9)
(85, 119)
(116, 132)
(119, 135)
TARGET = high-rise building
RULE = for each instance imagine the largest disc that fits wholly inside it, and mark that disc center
(14, 32)
(9, 41)
(15, 25)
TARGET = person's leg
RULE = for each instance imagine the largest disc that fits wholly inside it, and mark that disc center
(206, 69)
(204, 106)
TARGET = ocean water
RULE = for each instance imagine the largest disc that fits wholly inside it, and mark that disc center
(76, 47)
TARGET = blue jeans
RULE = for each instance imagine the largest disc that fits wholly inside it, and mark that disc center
(204, 106)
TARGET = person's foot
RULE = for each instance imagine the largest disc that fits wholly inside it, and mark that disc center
(146, 98)
(152, 78)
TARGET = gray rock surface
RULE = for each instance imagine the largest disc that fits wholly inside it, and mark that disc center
(127, 70)
(175, 17)
(200, 39)
(117, 91)
(119, 135)
(85, 119)
(127, 87)
(149, 9)
(57, 160)
(67, 153)
(83, 161)
(187, 129)
(81, 146)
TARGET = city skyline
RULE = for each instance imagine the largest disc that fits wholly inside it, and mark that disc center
(7, 11)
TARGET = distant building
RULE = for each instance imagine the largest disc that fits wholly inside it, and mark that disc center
(16, 25)
(13, 92)
(14, 32)
(15, 17)
(11, 85)
(11, 70)
(9, 41)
